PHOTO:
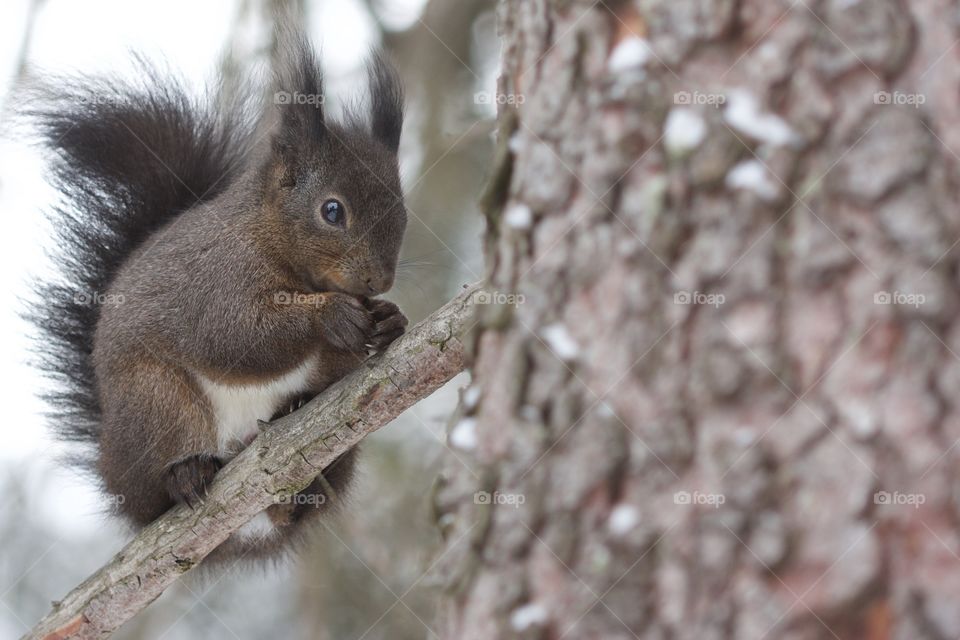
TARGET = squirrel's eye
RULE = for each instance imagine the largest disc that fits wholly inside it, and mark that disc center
(334, 212)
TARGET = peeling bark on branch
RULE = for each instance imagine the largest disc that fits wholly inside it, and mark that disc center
(284, 459)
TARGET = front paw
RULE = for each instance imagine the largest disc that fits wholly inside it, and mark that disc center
(188, 479)
(346, 323)
(389, 323)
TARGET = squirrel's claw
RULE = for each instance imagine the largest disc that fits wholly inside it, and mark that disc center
(188, 479)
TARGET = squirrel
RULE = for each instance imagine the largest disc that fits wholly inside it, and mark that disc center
(211, 279)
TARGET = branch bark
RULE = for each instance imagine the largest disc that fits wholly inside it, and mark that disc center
(284, 459)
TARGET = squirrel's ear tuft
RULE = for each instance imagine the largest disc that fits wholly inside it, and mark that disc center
(298, 97)
(386, 101)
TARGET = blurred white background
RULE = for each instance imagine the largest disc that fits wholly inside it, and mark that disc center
(52, 525)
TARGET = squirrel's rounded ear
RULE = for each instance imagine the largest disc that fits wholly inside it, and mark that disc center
(298, 98)
(386, 101)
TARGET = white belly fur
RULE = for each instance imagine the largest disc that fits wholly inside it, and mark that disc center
(237, 408)
(260, 527)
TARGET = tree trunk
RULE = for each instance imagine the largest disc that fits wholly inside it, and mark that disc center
(715, 392)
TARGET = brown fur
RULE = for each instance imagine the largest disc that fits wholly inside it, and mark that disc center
(204, 295)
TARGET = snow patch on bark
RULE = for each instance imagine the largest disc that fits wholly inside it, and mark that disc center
(752, 176)
(623, 518)
(515, 143)
(684, 130)
(519, 216)
(743, 113)
(561, 342)
(471, 397)
(464, 435)
(631, 53)
(527, 616)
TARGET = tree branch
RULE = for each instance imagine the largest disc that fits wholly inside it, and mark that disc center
(284, 458)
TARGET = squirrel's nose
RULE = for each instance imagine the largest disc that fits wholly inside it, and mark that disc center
(379, 284)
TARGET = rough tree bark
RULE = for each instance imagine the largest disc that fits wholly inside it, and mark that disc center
(283, 459)
(725, 403)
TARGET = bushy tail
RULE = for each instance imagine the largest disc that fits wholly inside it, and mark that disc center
(126, 158)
